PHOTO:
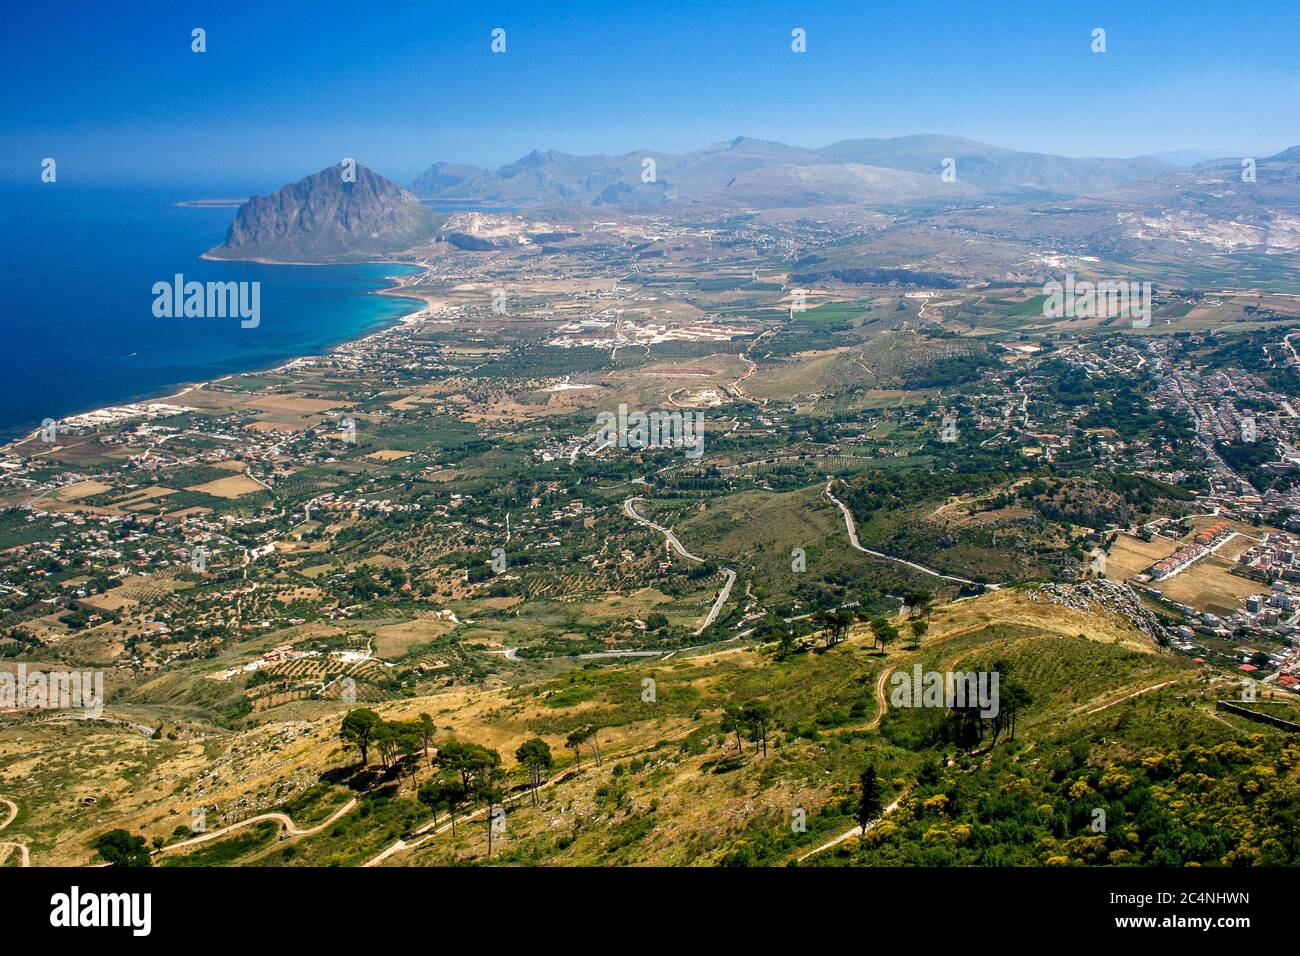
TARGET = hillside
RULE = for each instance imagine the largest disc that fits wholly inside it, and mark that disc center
(1105, 706)
(324, 217)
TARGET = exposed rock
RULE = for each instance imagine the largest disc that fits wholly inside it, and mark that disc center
(324, 218)
(1104, 595)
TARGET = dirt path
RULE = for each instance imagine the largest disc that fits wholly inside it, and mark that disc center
(853, 831)
(9, 847)
(881, 706)
(429, 831)
(858, 830)
(282, 818)
(880, 698)
(736, 388)
(1136, 693)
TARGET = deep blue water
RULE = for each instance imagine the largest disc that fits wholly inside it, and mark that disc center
(77, 268)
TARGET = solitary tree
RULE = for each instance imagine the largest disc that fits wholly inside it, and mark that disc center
(535, 755)
(488, 789)
(574, 742)
(886, 634)
(869, 802)
(588, 734)
(359, 727)
(918, 627)
(757, 717)
(425, 727)
(733, 721)
(122, 848)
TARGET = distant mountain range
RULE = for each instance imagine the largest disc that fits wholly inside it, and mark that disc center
(326, 218)
(748, 171)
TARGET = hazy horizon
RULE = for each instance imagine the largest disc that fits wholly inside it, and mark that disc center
(276, 96)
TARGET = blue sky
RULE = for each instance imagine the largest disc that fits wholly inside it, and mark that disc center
(115, 94)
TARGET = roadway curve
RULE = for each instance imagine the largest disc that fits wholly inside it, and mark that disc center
(675, 543)
(881, 706)
(22, 848)
(859, 830)
(852, 528)
(282, 818)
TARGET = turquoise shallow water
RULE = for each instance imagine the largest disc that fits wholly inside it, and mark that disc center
(77, 270)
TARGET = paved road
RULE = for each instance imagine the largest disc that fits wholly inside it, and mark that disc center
(717, 605)
(675, 543)
(852, 527)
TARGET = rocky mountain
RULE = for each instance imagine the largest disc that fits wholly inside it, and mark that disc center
(328, 218)
(1224, 204)
(709, 175)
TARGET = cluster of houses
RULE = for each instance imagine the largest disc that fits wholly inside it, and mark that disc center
(1204, 543)
(284, 652)
(1275, 556)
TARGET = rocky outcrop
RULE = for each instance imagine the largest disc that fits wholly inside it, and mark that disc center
(331, 216)
(1101, 594)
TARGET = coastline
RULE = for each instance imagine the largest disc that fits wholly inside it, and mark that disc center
(175, 390)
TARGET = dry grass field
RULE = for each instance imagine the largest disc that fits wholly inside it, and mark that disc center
(389, 454)
(1208, 585)
(236, 486)
(1130, 556)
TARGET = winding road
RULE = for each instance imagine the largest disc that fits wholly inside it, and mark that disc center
(852, 528)
(282, 818)
(22, 848)
(675, 543)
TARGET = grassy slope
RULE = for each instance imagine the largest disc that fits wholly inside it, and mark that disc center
(672, 788)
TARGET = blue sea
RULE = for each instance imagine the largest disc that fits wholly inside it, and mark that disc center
(77, 269)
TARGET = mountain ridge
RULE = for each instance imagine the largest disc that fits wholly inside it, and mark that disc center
(547, 176)
(327, 216)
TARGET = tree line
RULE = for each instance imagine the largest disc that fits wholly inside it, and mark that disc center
(461, 774)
